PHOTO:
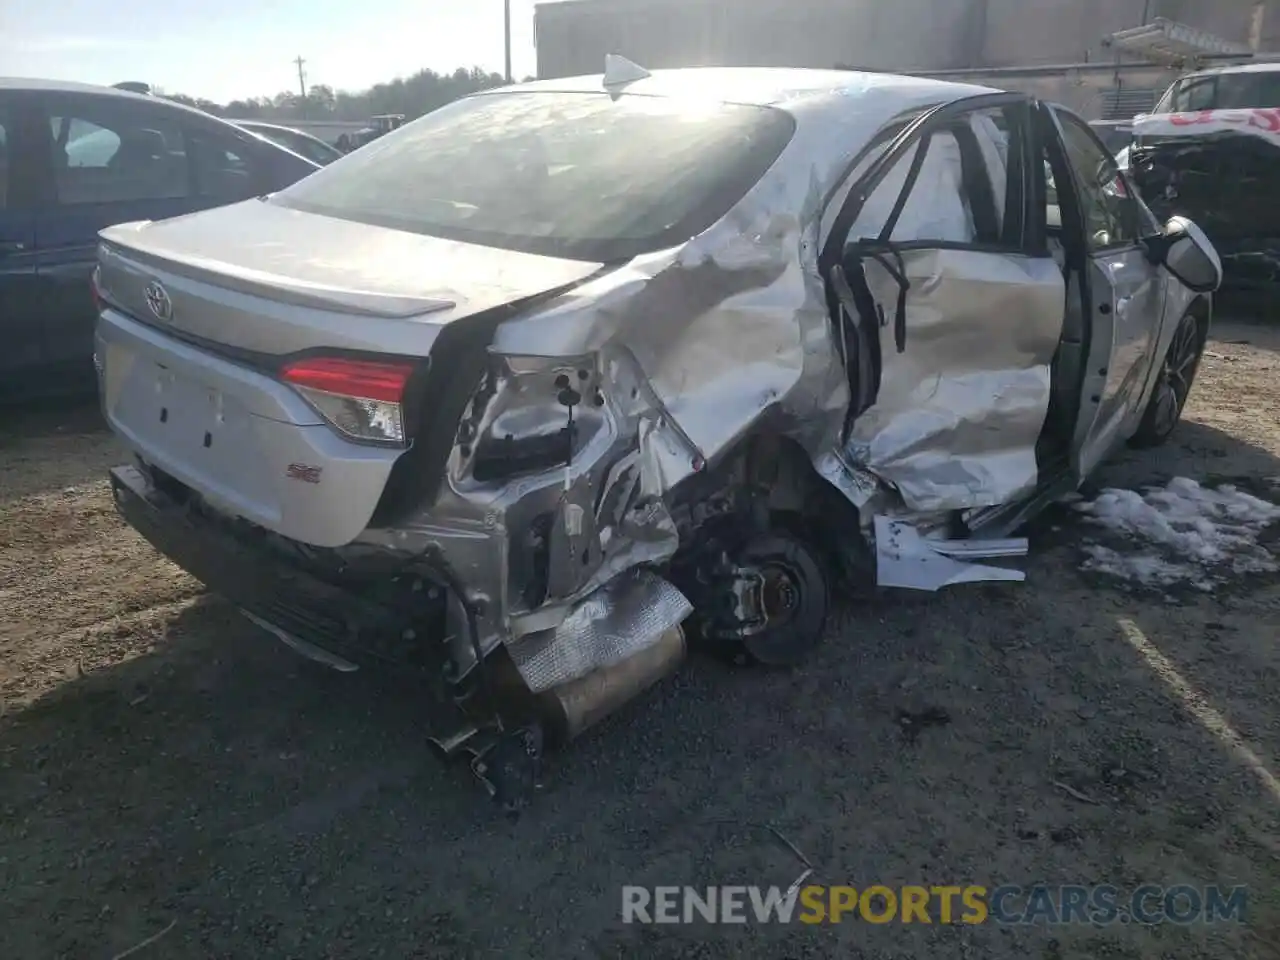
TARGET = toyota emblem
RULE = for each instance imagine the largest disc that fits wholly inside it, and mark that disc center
(159, 302)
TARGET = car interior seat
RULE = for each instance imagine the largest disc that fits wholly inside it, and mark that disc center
(143, 166)
(140, 150)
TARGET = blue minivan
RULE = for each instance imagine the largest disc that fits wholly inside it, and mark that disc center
(75, 158)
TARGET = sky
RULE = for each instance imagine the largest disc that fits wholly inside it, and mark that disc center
(229, 49)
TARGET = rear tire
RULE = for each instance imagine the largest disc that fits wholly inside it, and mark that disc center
(1173, 384)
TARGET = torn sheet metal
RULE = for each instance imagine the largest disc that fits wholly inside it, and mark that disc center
(906, 559)
(981, 549)
(859, 486)
(679, 354)
(735, 321)
(621, 619)
(960, 410)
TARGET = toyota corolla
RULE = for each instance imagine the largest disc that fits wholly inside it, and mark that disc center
(536, 387)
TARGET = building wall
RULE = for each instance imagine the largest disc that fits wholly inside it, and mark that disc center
(573, 37)
(1027, 32)
(1086, 91)
(908, 35)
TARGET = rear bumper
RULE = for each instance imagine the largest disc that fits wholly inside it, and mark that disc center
(319, 617)
(292, 600)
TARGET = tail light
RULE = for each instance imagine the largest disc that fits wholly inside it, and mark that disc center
(363, 399)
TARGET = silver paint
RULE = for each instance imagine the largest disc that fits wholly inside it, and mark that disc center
(960, 411)
(687, 348)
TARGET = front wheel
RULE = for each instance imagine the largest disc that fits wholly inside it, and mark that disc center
(1173, 385)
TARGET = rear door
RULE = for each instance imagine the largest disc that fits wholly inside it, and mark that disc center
(1124, 291)
(108, 160)
(948, 308)
(21, 343)
(229, 165)
(113, 159)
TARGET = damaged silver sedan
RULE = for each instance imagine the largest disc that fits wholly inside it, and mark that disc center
(542, 386)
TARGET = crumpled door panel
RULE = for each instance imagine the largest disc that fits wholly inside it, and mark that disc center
(960, 409)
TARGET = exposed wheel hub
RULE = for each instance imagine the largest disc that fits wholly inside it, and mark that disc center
(766, 598)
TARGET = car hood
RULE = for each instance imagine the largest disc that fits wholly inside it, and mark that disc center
(262, 248)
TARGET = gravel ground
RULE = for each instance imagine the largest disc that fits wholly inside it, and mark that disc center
(165, 768)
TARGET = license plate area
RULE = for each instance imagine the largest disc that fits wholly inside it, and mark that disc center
(190, 415)
(188, 425)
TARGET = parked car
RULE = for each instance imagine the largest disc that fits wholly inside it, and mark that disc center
(511, 402)
(74, 159)
(303, 144)
(1237, 86)
(378, 126)
(1211, 152)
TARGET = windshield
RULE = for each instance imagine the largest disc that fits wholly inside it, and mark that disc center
(1222, 91)
(574, 175)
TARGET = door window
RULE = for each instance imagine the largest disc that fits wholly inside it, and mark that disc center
(224, 172)
(113, 154)
(1196, 94)
(1112, 215)
(1222, 91)
(966, 190)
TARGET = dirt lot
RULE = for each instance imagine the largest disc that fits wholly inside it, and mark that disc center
(166, 768)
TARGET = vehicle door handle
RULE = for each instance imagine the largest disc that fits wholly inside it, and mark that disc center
(12, 246)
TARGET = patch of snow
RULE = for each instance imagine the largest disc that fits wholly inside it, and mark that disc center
(1182, 533)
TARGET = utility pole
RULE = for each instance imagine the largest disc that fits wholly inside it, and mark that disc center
(302, 86)
(1255, 26)
(506, 11)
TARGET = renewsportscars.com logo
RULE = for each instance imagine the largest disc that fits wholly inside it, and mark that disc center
(1099, 905)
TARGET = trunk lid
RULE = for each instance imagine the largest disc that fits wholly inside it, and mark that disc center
(262, 278)
(189, 374)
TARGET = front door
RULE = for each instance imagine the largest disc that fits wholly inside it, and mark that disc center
(23, 341)
(1123, 292)
(21, 338)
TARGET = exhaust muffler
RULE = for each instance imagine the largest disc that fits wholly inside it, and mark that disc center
(574, 707)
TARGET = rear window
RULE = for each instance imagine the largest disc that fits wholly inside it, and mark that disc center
(575, 175)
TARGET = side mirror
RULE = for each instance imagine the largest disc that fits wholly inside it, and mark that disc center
(1185, 251)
